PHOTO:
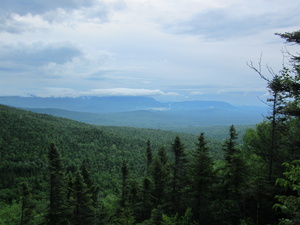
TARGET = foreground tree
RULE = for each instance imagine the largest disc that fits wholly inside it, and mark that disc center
(84, 210)
(27, 205)
(289, 204)
(149, 156)
(178, 182)
(124, 194)
(201, 176)
(233, 185)
(59, 212)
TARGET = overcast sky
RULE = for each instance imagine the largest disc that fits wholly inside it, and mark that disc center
(167, 49)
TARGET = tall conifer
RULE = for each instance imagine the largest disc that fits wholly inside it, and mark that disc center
(59, 211)
(149, 156)
(201, 175)
(27, 205)
(234, 180)
(84, 210)
(178, 174)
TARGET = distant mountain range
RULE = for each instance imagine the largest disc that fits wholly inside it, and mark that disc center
(140, 111)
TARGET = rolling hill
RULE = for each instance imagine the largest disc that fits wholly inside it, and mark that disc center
(26, 136)
(142, 112)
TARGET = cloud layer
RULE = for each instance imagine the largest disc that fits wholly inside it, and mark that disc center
(68, 92)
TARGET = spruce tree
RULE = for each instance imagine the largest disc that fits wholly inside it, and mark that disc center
(230, 144)
(84, 210)
(146, 199)
(179, 170)
(162, 181)
(234, 179)
(158, 176)
(27, 205)
(149, 156)
(91, 187)
(163, 156)
(201, 175)
(59, 212)
(125, 174)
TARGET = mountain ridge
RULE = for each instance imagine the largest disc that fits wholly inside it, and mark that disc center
(140, 111)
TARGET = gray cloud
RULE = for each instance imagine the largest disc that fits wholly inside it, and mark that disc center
(37, 7)
(37, 54)
(221, 24)
(56, 11)
(102, 74)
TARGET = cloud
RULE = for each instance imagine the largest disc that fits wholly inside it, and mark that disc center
(35, 7)
(234, 21)
(16, 16)
(37, 54)
(69, 92)
(126, 92)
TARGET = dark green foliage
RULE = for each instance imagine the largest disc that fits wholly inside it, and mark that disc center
(185, 219)
(156, 216)
(27, 206)
(201, 175)
(230, 144)
(149, 156)
(126, 216)
(59, 210)
(84, 212)
(125, 172)
(92, 189)
(234, 172)
(160, 179)
(146, 199)
(289, 204)
(10, 213)
(291, 37)
(179, 170)
(25, 138)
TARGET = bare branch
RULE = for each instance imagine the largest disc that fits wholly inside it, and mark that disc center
(258, 70)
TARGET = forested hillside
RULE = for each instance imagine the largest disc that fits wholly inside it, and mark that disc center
(124, 175)
(26, 137)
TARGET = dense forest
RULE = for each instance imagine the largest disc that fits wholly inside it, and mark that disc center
(59, 171)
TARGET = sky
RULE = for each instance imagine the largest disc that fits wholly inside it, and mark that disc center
(172, 50)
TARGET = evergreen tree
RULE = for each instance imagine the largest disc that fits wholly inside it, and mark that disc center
(289, 204)
(146, 199)
(125, 174)
(179, 170)
(86, 176)
(230, 144)
(84, 210)
(201, 175)
(92, 189)
(234, 168)
(162, 155)
(27, 205)
(159, 181)
(70, 190)
(59, 211)
(156, 217)
(234, 180)
(149, 156)
(126, 217)
(161, 176)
